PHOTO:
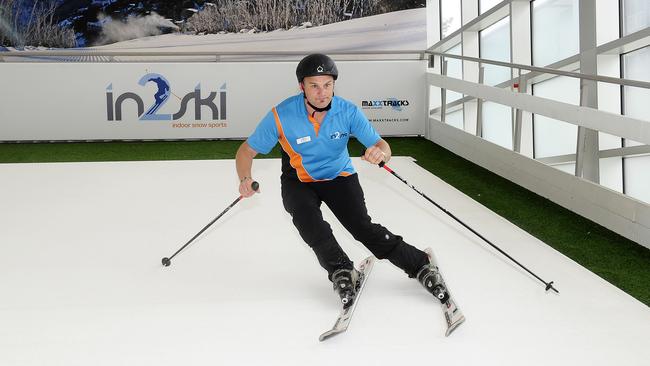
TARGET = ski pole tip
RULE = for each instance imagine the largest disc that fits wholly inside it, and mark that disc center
(549, 286)
(166, 262)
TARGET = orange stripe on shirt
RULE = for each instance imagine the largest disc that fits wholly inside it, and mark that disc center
(295, 159)
(315, 123)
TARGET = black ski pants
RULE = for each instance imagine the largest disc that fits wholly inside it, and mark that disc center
(345, 199)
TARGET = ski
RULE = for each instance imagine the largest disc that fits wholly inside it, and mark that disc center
(342, 322)
(453, 315)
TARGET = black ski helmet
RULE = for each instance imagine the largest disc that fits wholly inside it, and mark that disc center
(316, 64)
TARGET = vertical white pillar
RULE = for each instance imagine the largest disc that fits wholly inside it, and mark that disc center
(470, 46)
(609, 95)
(433, 36)
(520, 50)
(587, 150)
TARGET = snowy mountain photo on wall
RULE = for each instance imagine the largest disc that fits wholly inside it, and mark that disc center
(91, 23)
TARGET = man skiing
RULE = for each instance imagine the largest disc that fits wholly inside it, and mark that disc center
(313, 129)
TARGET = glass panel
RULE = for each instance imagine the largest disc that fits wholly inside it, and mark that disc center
(637, 169)
(495, 45)
(450, 17)
(553, 137)
(569, 168)
(609, 97)
(497, 124)
(497, 118)
(607, 141)
(635, 67)
(611, 171)
(555, 30)
(636, 15)
(455, 119)
(454, 70)
(637, 177)
(485, 5)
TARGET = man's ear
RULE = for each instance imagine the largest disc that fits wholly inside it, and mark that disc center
(302, 87)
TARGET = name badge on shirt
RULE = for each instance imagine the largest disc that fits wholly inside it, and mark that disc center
(302, 140)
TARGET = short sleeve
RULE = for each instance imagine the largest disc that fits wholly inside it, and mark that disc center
(265, 136)
(362, 129)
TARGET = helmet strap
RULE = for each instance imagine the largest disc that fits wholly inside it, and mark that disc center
(316, 109)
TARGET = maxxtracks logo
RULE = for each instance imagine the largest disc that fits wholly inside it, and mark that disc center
(161, 97)
(394, 103)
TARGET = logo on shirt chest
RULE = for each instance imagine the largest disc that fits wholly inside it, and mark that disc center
(338, 135)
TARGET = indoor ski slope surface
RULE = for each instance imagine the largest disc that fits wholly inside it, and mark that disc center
(81, 280)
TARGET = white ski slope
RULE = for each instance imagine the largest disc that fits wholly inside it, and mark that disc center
(81, 282)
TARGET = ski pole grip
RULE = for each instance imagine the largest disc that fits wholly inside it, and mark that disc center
(383, 165)
(255, 186)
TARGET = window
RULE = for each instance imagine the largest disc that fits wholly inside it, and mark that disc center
(636, 15)
(497, 124)
(454, 70)
(555, 30)
(637, 176)
(495, 45)
(496, 118)
(450, 17)
(455, 119)
(485, 5)
(553, 137)
(635, 67)
(637, 168)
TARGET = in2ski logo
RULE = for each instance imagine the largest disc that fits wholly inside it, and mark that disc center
(338, 135)
(161, 97)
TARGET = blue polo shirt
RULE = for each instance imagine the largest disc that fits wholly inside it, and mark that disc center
(316, 152)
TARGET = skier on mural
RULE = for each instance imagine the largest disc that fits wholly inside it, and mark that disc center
(313, 129)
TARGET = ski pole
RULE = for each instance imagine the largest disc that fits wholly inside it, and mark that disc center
(167, 261)
(549, 285)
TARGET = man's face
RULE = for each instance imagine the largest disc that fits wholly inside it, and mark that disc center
(319, 90)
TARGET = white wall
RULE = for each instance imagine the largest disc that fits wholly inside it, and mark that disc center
(68, 101)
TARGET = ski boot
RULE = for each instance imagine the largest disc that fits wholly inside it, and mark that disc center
(345, 284)
(431, 279)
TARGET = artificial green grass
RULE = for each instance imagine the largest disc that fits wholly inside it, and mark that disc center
(118, 151)
(618, 260)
